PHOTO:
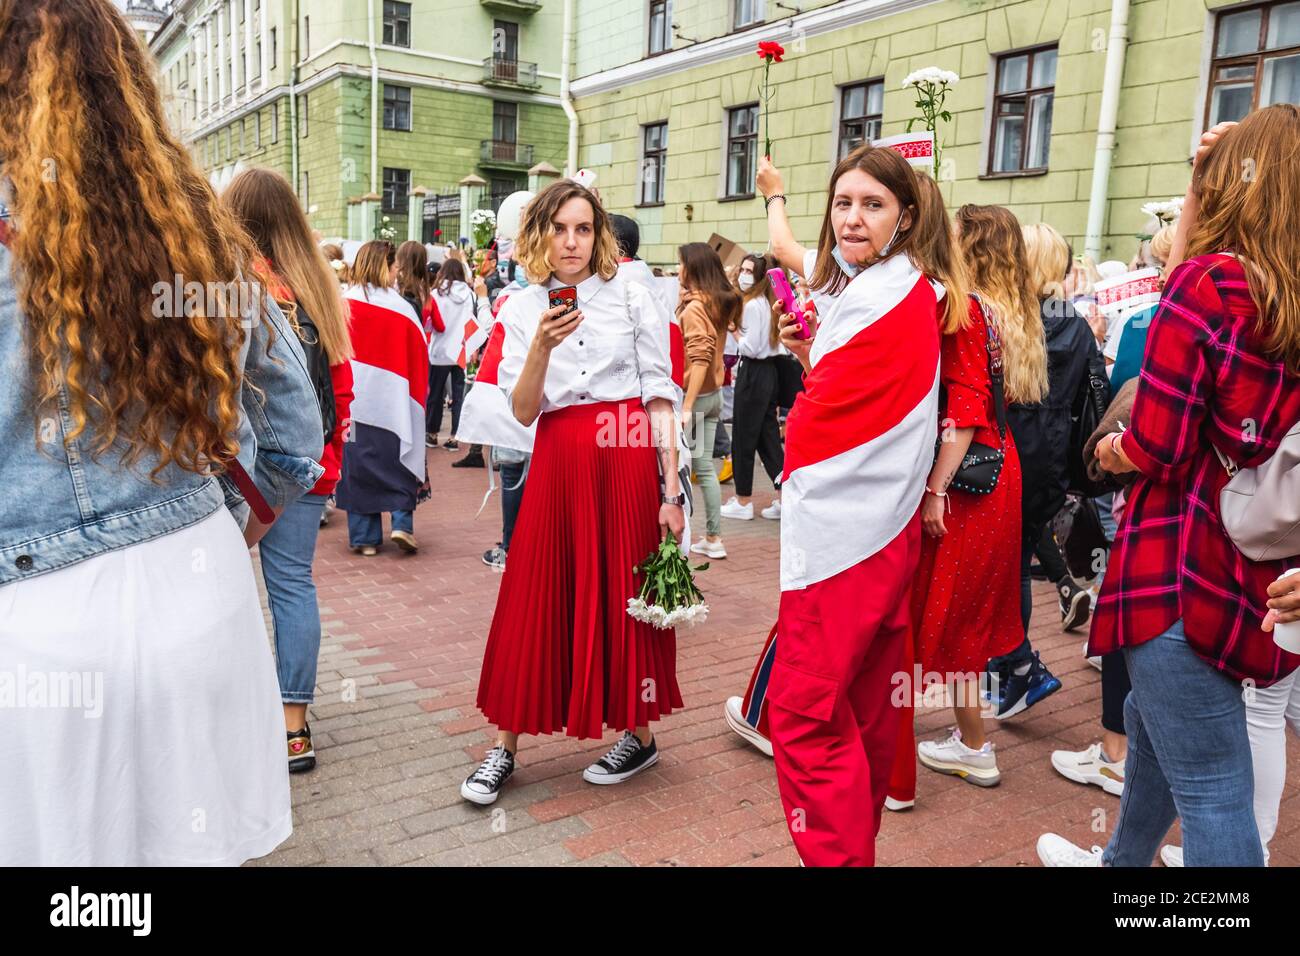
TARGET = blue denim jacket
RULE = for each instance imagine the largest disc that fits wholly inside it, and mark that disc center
(59, 506)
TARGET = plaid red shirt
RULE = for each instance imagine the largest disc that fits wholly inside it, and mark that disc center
(1205, 380)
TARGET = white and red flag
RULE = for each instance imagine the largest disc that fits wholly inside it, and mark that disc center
(860, 438)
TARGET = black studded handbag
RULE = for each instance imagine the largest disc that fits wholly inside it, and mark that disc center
(979, 471)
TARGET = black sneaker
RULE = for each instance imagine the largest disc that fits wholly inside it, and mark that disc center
(451, 444)
(625, 759)
(1076, 603)
(1010, 693)
(484, 785)
(473, 460)
(301, 755)
(495, 557)
(430, 440)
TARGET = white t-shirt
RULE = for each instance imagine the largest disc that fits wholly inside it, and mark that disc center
(606, 359)
(756, 330)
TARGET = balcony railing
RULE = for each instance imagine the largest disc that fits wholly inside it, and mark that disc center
(494, 152)
(507, 72)
(524, 7)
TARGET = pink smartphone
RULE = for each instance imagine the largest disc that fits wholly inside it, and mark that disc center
(781, 286)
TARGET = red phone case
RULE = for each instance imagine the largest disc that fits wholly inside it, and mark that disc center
(564, 295)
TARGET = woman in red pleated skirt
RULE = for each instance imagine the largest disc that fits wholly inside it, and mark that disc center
(563, 654)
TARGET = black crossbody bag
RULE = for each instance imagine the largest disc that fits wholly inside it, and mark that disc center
(979, 471)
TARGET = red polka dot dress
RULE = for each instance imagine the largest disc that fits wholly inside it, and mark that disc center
(966, 595)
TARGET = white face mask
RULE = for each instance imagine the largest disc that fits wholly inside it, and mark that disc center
(852, 270)
(745, 281)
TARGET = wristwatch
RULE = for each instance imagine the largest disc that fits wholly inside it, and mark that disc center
(679, 500)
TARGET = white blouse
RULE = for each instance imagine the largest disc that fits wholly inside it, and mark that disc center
(756, 331)
(618, 352)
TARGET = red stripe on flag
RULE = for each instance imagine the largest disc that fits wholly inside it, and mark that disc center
(391, 341)
(867, 386)
(487, 370)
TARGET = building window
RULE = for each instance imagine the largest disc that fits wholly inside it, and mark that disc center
(748, 12)
(304, 189)
(243, 69)
(306, 37)
(654, 163)
(505, 122)
(302, 116)
(257, 130)
(661, 25)
(397, 187)
(1022, 111)
(1256, 61)
(274, 47)
(259, 58)
(499, 189)
(861, 113)
(397, 23)
(505, 40)
(742, 150)
(275, 122)
(397, 108)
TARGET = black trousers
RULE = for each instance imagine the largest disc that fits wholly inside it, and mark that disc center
(754, 428)
(438, 376)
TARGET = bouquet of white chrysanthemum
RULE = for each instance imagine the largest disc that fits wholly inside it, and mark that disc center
(931, 85)
(668, 594)
(1166, 211)
(483, 223)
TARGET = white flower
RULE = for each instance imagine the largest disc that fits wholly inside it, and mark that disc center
(1166, 211)
(337, 264)
(386, 219)
(930, 74)
(481, 216)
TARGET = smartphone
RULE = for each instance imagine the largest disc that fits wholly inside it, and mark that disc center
(781, 286)
(565, 295)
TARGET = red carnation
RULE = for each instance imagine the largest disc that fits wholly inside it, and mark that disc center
(772, 49)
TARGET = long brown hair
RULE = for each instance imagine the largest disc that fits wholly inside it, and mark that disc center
(112, 216)
(927, 239)
(452, 270)
(1250, 204)
(762, 287)
(702, 273)
(998, 270)
(265, 204)
(371, 267)
(413, 271)
(533, 247)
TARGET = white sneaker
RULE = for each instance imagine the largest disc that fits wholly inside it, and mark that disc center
(735, 718)
(1171, 855)
(713, 549)
(898, 806)
(1092, 661)
(734, 509)
(1054, 850)
(1090, 766)
(773, 511)
(951, 756)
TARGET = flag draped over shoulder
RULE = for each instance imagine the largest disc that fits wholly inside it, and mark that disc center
(486, 418)
(383, 457)
(860, 438)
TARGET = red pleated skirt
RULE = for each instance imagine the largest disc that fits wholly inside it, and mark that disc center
(562, 652)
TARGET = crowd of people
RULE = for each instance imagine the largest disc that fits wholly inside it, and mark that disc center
(940, 402)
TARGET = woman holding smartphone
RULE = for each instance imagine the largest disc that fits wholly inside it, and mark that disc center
(583, 354)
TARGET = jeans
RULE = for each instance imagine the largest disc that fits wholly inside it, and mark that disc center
(438, 376)
(286, 553)
(703, 430)
(1188, 757)
(512, 494)
(369, 529)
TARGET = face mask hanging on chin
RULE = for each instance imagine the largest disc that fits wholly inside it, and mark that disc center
(852, 270)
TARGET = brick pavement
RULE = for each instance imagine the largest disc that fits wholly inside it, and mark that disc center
(396, 730)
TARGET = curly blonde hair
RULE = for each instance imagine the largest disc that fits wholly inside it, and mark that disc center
(110, 209)
(533, 248)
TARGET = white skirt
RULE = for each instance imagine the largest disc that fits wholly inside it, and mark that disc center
(140, 716)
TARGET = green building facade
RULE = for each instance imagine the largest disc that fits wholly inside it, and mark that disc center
(1034, 65)
(370, 106)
